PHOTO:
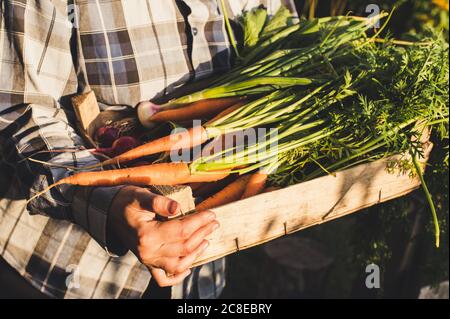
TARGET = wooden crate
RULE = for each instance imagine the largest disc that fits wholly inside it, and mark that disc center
(259, 219)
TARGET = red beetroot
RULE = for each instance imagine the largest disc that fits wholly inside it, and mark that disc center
(106, 136)
(121, 145)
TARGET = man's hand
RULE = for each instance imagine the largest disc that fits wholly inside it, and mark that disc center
(168, 248)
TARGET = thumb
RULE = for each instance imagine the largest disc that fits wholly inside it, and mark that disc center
(159, 204)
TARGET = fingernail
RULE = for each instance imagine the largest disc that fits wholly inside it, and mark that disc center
(205, 245)
(211, 216)
(215, 226)
(174, 208)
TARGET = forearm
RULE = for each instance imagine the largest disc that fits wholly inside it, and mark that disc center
(35, 122)
(44, 133)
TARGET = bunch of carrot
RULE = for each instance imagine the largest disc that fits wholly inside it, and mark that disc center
(324, 85)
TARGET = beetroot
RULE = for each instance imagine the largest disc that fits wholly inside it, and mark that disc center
(106, 136)
(121, 145)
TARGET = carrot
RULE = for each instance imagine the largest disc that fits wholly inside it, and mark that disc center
(207, 178)
(215, 145)
(207, 189)
(270, 189)
(229, 194)
(226, 112)
(255, 185)
(197, 110)
(196, 186)
(155, 174)
(186, 139)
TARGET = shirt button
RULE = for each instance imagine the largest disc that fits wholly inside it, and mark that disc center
(194, 31)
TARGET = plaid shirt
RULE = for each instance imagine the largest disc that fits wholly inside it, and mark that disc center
(126, 51)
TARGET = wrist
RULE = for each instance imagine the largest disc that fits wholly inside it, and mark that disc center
(115, 239)
(120, 221)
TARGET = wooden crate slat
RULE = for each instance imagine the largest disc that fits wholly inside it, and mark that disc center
(259, 219)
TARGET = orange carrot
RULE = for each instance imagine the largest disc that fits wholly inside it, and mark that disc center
(207, 189)
(155, 174)
(220, 143)
(197, 110)
(196, 186)
(255, 185)
(226, 112)
(186, 139)
(207, 178)
(229, 194)
(270, 189)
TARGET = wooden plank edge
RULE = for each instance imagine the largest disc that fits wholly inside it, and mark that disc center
(414, 185)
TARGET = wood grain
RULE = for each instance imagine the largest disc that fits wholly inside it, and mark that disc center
(262, 218)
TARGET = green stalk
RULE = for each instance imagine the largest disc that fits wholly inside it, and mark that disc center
(369, 147)
(381, 29)
(419, 172)
(240, 89)
(240, 73)
(246, 109)
(260, 48)
(264, 115)
(229, 29)
(252, 155)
